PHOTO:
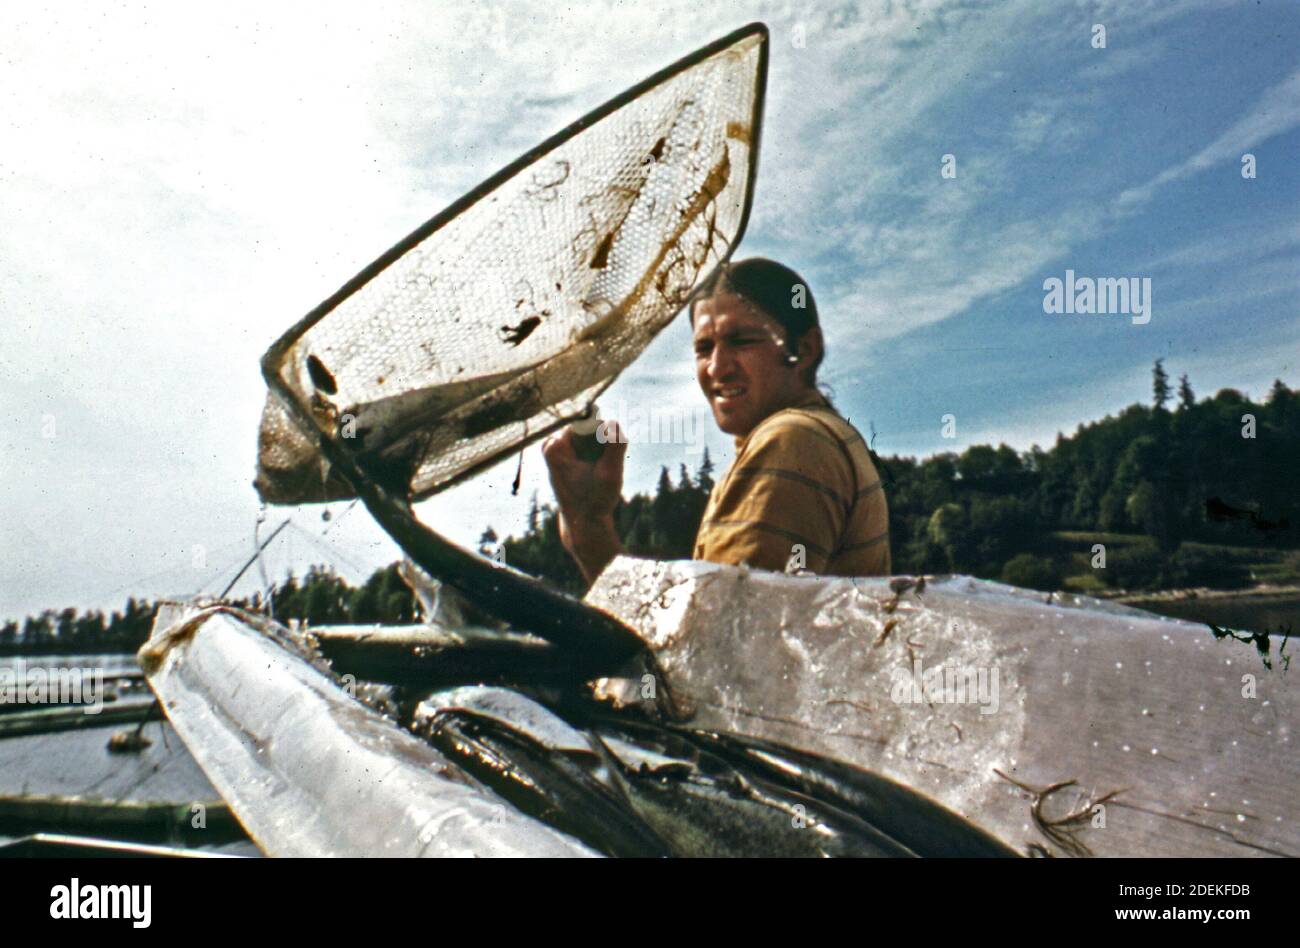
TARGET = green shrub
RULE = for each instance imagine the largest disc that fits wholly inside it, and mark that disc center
(1136, 567)
(1032, 572)
(1191, 566)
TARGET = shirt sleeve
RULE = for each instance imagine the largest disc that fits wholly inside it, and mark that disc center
(788, 491)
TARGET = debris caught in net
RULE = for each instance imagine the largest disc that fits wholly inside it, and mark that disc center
(512, 310)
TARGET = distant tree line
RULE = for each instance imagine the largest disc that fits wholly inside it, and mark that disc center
(1155, 485)
(321, 598)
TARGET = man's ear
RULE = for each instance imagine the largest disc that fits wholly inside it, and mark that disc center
(811, 349)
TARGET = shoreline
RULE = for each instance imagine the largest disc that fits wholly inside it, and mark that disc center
(1200, 593)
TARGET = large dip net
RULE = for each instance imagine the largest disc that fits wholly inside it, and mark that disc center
(509, 312)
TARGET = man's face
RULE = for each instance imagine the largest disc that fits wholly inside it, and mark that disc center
(741, 363)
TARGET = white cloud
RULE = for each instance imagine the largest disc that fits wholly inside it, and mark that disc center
(1277, 111)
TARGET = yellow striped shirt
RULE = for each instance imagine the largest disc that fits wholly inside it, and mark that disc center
(802, 479)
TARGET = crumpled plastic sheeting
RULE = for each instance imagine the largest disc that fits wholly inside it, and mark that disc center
(517, 312)
(1101, 698)
(308, 770)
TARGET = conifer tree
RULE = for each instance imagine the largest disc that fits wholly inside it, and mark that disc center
(1160, 384)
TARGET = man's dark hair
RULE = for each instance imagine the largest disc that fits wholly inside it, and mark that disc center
(776, 290)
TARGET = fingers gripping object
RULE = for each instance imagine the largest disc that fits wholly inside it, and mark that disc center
(586, 442)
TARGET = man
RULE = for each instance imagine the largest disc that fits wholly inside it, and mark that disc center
(802, 490)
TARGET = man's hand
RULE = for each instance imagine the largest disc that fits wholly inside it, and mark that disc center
(587, 495)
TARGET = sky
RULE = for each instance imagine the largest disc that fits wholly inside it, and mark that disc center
(179, 183)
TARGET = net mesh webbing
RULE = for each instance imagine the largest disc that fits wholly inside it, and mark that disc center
(508, 314)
